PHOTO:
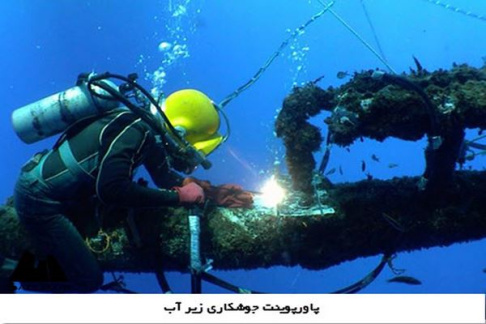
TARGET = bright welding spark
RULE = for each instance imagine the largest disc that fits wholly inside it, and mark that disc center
(272, 193)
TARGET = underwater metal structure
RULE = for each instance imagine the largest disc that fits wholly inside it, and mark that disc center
(439, 105)
(369, 217)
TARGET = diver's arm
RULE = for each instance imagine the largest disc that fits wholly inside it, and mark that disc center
(114, 183)
(158, 168)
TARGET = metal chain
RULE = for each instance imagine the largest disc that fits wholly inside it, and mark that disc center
(456, 9)
(282, 46)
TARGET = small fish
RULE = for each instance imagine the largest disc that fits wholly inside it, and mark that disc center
(333, 170)
(341, 170)
(375, 158)
(318, 79)
(369, 176)
(392, 165)
(406, 280)
(484, 270)
(342, 74)
(363, 166)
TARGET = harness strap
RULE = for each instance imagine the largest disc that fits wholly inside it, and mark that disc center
(35, 164)
(67, 157)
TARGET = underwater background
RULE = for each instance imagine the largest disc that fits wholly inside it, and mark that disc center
(216, 46)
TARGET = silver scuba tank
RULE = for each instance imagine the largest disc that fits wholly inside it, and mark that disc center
(55, 113)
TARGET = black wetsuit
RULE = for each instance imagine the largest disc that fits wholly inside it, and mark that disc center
(118, 144)
(108, 150)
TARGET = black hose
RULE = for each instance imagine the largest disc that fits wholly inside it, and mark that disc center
(357, 286)
(118, 96)
(135, 109)
(409, 85)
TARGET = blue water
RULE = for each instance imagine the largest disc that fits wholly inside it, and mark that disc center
(45, 44)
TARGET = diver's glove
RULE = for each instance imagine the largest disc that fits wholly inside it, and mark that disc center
(226, 195)
(206, 185)
(190, 193)
(231, 196)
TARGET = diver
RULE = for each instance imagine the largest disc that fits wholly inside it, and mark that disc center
(98, 158)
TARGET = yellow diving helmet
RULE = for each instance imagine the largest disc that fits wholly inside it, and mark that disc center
(193, 113)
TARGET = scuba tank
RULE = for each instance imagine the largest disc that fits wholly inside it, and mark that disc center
(55, 113)
(95, 95)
